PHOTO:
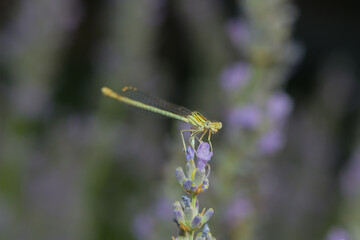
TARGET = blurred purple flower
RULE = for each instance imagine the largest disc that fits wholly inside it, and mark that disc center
(271, 142)
(203, 155)
(247, 117)
(279, 106)
(238, 32)
(350, 177)
(163, 208)
(337, 233)
(237, 210)
(235, 76)
(143, 226)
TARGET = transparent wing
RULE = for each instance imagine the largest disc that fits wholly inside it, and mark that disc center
(158, 103)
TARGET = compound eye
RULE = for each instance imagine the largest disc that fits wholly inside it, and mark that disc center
(207, 124)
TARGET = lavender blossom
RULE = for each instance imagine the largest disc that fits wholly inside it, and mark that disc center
(193, 181)
(238, 209)
(203, 155)
(247, 117)
(279, 106)
(271, 142)
(238, 32)
(235, 76)
(205, 234)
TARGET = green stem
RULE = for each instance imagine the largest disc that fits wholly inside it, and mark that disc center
(193, 203)
(191, 235)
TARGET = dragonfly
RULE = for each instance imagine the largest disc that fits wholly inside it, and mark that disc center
(200, 125)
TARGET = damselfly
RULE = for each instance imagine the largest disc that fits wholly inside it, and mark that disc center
(200, 124)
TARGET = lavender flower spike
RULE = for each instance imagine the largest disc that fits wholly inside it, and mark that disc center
(203, 155)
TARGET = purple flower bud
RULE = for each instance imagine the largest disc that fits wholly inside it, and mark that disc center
(199, 176)
(207, 215)
(180, 176)
(238, 32)
(187, 185)
(178, 212)
(186, 201)
(235, 76)
(271, 142)
(189, 153)
(203, 155)
(279, 106)
(189, 214)
(247, 117)
(205, 231)
(196, 222)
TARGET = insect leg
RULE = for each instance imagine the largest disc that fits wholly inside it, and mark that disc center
(182, 136)
(194, 135)
(209, 137)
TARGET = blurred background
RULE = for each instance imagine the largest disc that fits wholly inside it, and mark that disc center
(281, 75)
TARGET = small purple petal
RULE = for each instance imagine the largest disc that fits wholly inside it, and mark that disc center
(247, 117)
(201, 163)
(279, 106)
(203, 155)
(235, 76)
(271, 142)
(190, 153)
(204, 152)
